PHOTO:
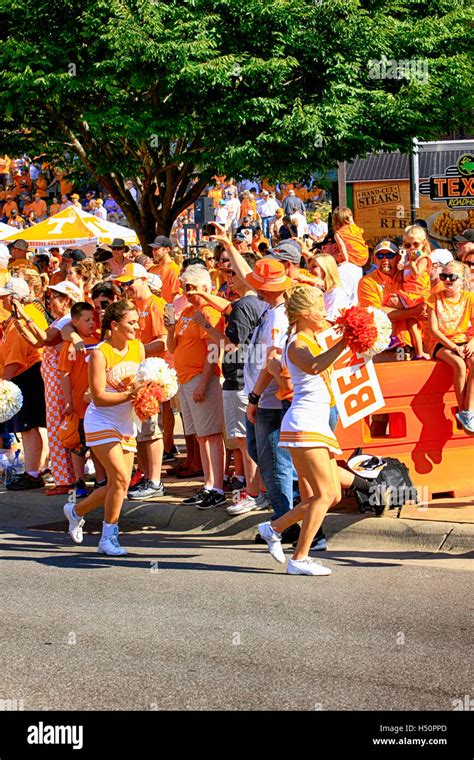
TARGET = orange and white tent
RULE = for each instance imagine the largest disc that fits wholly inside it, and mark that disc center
(72, 227)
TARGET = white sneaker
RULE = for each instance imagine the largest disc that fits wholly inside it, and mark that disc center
(245, 504)
(75, 524)
(273, 540)
(306, 566)
(262, 501)
(111, 546)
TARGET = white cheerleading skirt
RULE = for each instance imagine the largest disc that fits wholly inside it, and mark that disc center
(110, 424)
(306, 425)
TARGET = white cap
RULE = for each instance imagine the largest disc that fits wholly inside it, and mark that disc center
(17, 287)
(154, 281)
(441, 256)
(68, 289)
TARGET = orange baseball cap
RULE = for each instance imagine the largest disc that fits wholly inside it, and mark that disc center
(132, 272)
(269, 274)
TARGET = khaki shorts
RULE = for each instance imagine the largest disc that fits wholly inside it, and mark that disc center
(150, 431)
(235, 413)
(205, 417)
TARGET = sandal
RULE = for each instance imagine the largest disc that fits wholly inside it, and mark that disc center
(59, 490)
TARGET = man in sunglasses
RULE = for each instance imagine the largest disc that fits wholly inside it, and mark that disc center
(375, 288)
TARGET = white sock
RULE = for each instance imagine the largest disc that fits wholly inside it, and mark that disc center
(156, 483)
(108, 529)
(219, 490)
(33, 473)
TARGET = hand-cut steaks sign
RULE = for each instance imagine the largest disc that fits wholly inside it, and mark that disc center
(355, 385)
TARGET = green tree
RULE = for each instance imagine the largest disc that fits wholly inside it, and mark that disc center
(171, 93)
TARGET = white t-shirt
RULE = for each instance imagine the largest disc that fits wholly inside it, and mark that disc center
(318, 229)
(334, 301)
(270, 333)
(350, 275)
(269, 207)
(233, 209)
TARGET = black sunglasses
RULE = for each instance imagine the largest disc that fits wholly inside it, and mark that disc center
(127, 284)
(451, 277)
(385, 255)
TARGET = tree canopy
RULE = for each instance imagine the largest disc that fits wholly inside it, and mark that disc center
(170, 93)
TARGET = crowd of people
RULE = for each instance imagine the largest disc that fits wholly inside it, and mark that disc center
(239, 324)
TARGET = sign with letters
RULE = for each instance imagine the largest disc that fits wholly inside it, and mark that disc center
(355, 385)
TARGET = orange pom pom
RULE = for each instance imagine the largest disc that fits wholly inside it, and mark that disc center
(358, 327)
(147, 401)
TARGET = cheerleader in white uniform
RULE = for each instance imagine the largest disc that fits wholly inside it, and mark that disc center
(306, 432)
(108, 423)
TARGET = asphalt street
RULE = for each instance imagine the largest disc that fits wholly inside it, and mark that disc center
(198, 622)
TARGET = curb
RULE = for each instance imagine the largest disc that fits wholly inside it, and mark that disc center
(23, 511)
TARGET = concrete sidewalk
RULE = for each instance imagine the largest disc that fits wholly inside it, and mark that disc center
(413, 528)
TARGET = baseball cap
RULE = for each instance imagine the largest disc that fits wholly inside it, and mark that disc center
(466, 237)
(270, 275)
(154, 281)
(132, 272)
(287, 252)
(441, 256)
(22, 245)
(68, 289)
(386, 245)
(161, 242)
(17, 287)
(75, 255)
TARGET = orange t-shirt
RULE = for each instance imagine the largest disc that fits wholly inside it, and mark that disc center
(16, 350)
(246, 205)
(78, 372)
(455, 320)
(256, 243)
(150, 320)
(169, 273)
(39, 207)
(357, 250)
(191, 343)
(373, 290)
(55, 208)
(8, 207)
(216, 195)
(42, 187)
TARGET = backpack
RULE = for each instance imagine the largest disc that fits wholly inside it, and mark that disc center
(391, 489)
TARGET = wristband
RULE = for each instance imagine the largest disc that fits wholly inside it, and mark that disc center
(253, 398)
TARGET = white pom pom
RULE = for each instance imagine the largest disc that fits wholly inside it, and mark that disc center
(155, 370)
(384, 332)
(11, 400)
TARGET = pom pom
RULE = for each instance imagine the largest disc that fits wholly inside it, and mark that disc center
(11, 400)
(161, 384)
(367, 330)
(155, 370)
(147, 401)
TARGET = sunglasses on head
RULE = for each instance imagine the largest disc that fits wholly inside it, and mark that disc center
(385, 255)
(450, 277)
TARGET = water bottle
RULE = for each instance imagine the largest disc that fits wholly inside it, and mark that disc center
(18, 463)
